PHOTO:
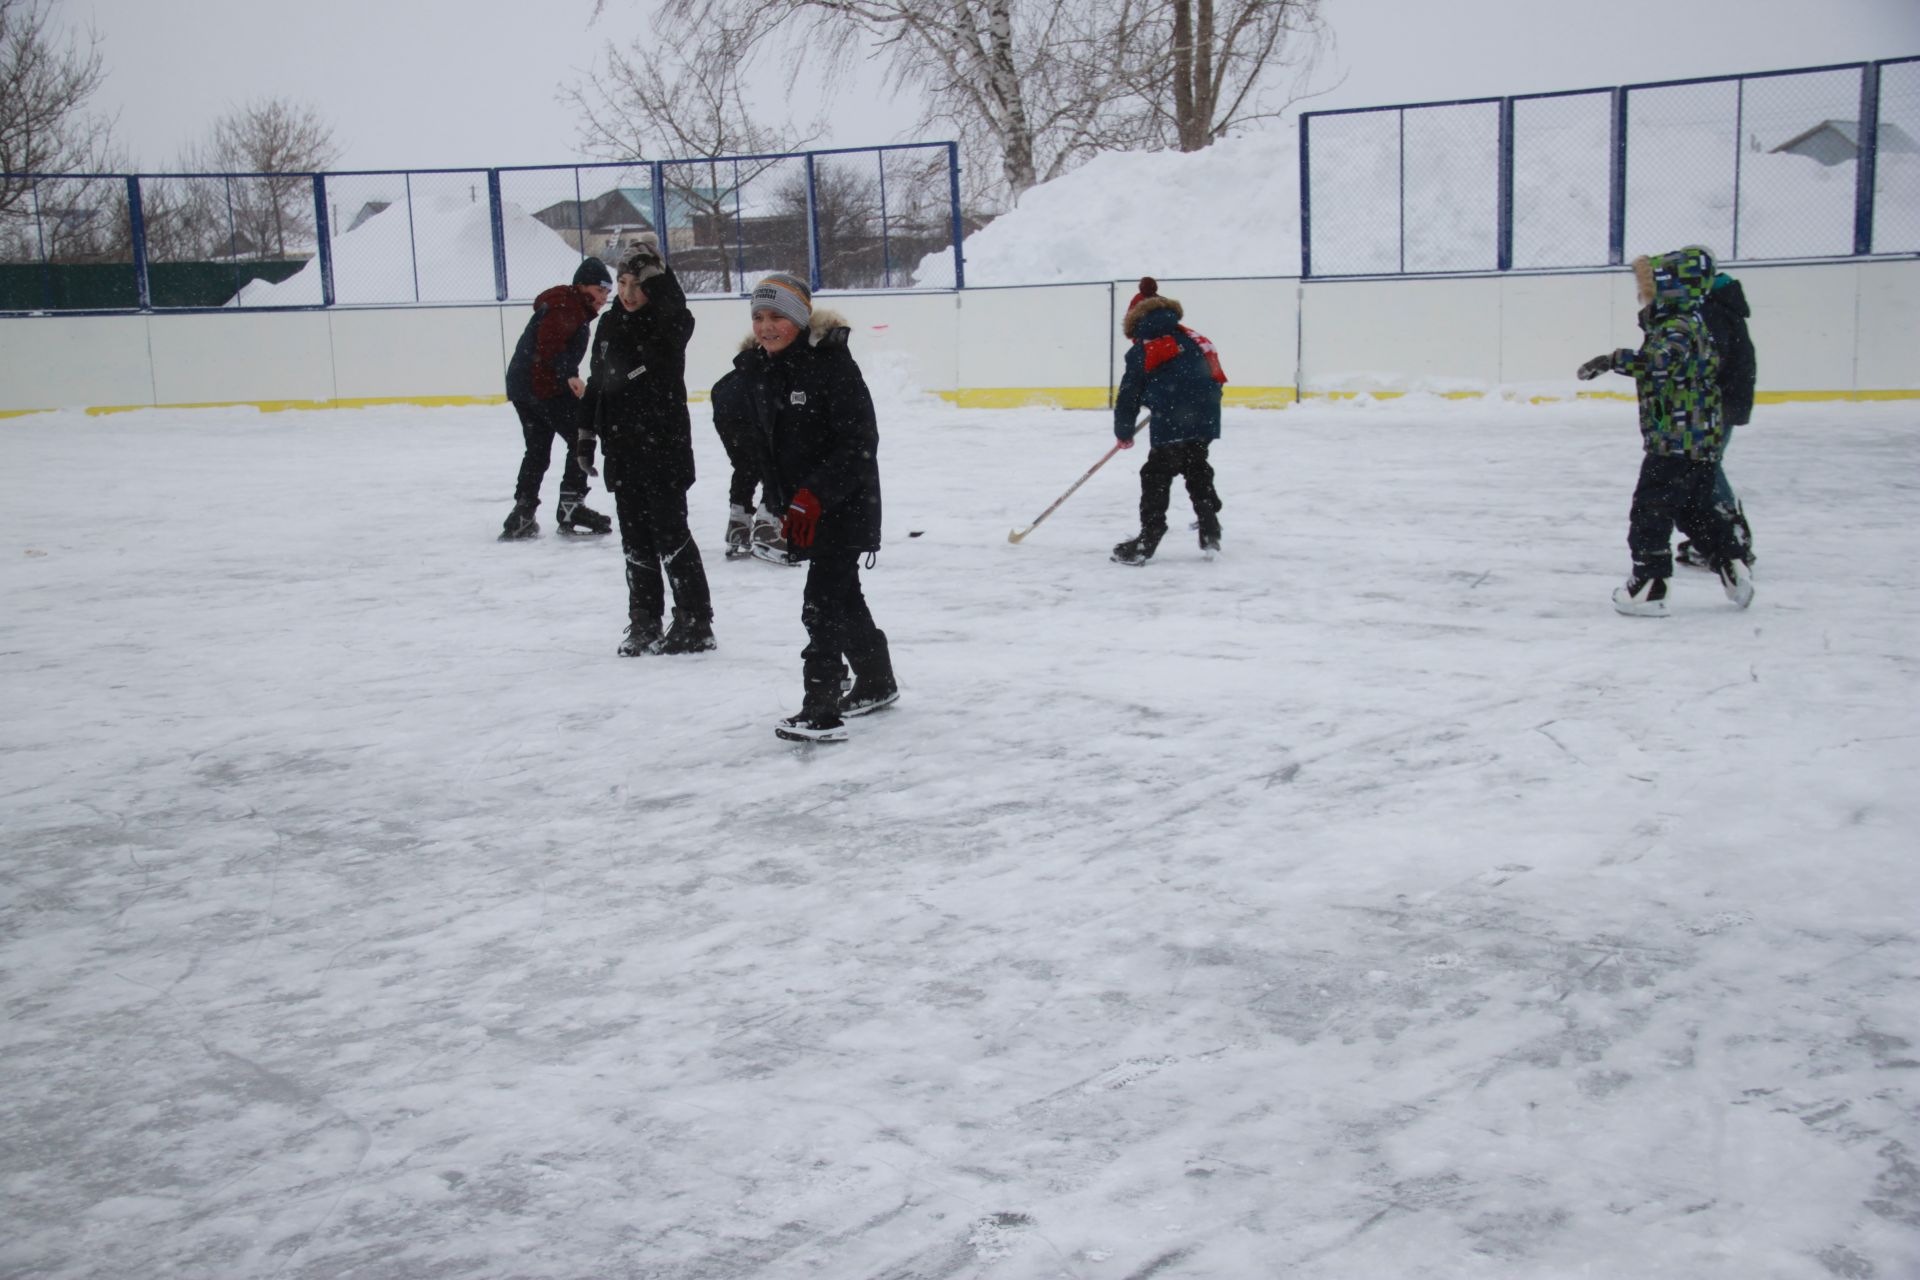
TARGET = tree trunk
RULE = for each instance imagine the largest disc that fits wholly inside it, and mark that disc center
(1004, 78)
(1183, 104)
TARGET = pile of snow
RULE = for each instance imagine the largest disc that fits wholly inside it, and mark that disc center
(439, 249)
(1234, 208)
(1230, 210)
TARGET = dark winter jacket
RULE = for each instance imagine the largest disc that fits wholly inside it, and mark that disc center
(812, 425)
(1726, 314)
(552, 345)
(1676, 371)
(1167, 370)
(638, 391)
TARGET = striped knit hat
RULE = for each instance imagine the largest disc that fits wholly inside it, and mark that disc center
(785, 294)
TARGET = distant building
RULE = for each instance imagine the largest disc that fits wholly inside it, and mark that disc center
(1833, 142)
(607, 223)
(367, 210)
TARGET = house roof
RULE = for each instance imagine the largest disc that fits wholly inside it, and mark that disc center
(1892, 136)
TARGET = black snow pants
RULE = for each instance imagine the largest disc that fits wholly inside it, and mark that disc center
(540, 422)
(839, 625)
(650, 505)
(1182, 458)
(1676, 491)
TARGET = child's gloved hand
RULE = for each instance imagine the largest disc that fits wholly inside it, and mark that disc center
(1595, 367)
(803, 516)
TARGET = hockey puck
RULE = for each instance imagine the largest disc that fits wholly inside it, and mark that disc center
(914, 533)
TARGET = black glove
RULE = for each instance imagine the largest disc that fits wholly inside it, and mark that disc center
(1595, 367)
(642, 262)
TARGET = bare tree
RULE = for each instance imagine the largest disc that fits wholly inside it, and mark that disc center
(285, 143)
(1201, 68)
(681, 99)
(45, 127)
(1015, 79)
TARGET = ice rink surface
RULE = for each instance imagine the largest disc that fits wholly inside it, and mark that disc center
(1370, 904)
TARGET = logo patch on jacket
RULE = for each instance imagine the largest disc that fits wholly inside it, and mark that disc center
(798, 397)
(636, 373)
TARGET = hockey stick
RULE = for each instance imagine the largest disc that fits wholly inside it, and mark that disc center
(1017, 535)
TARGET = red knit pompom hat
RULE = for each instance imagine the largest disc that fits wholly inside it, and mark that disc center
(1149, 288)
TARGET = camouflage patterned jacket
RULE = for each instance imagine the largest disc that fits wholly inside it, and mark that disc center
(1676, 370)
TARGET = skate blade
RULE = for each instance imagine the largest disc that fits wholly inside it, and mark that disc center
(809, 735)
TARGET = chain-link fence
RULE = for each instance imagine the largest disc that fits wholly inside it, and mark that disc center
(1815, 163)
(871, 218)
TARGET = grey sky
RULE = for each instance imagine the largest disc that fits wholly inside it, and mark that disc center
(444, 83)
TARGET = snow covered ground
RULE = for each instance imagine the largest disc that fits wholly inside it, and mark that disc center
(1371, 904)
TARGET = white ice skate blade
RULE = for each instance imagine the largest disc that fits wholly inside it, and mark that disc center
(1626, 605)
(797, 733)
(867, 709)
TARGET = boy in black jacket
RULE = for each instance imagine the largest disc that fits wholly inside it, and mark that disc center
(814, 430)
(1725, 311)
(639, 401)
(545, 387)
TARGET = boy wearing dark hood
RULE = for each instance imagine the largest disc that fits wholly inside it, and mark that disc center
(545, 387)
(638, 395)
(1176, 373)
(1676, 376)
(1726, 313)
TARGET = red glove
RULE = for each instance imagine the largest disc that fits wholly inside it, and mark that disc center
(803, 515)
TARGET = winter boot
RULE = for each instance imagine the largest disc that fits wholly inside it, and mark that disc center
(688, 634)
(739, 532)
(767, 542)
(520, 523)
(819, 718)
(1737, 581)
(1136, 551)
(1209, 534)
(576, 516)
(873, 684)
(643, 637)
(1642, 598)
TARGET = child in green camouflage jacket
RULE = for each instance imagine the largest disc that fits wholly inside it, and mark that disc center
(1676, 377)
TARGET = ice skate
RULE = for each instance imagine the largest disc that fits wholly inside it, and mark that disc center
(577, 517)
(1209, 526)
(739, 533)
(819, 725)
(688, 634)
(520, 523)
(1737, 581)
(1641, 598)
(641, 638)
(1137, 550)
(768, 543)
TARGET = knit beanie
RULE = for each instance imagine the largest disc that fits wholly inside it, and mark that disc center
(785, 295)
(593, 271)
(1149, 288)
(1148, 299)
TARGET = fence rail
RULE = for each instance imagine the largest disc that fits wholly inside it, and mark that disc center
(853, 218)
(1816, 162)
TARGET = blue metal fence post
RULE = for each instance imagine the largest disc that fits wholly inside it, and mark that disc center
(1617, 183)
(886, 252)
(1869, 162)
(1306, 200)
(658, 178)
(1739, 136)
(497, 220)
(137, 229)
(1503, 252)
(953, 205)
(813, 228)
(1403, 191)
(323, 239)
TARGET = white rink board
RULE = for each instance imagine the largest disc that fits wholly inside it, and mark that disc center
(449, 351)
(1822, 329)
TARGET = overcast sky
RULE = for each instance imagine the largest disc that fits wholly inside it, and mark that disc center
(448, 83)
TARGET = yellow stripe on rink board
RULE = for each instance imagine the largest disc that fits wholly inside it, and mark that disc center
(1002, 398)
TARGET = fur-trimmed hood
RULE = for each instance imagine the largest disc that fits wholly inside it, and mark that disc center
(1147, 306)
